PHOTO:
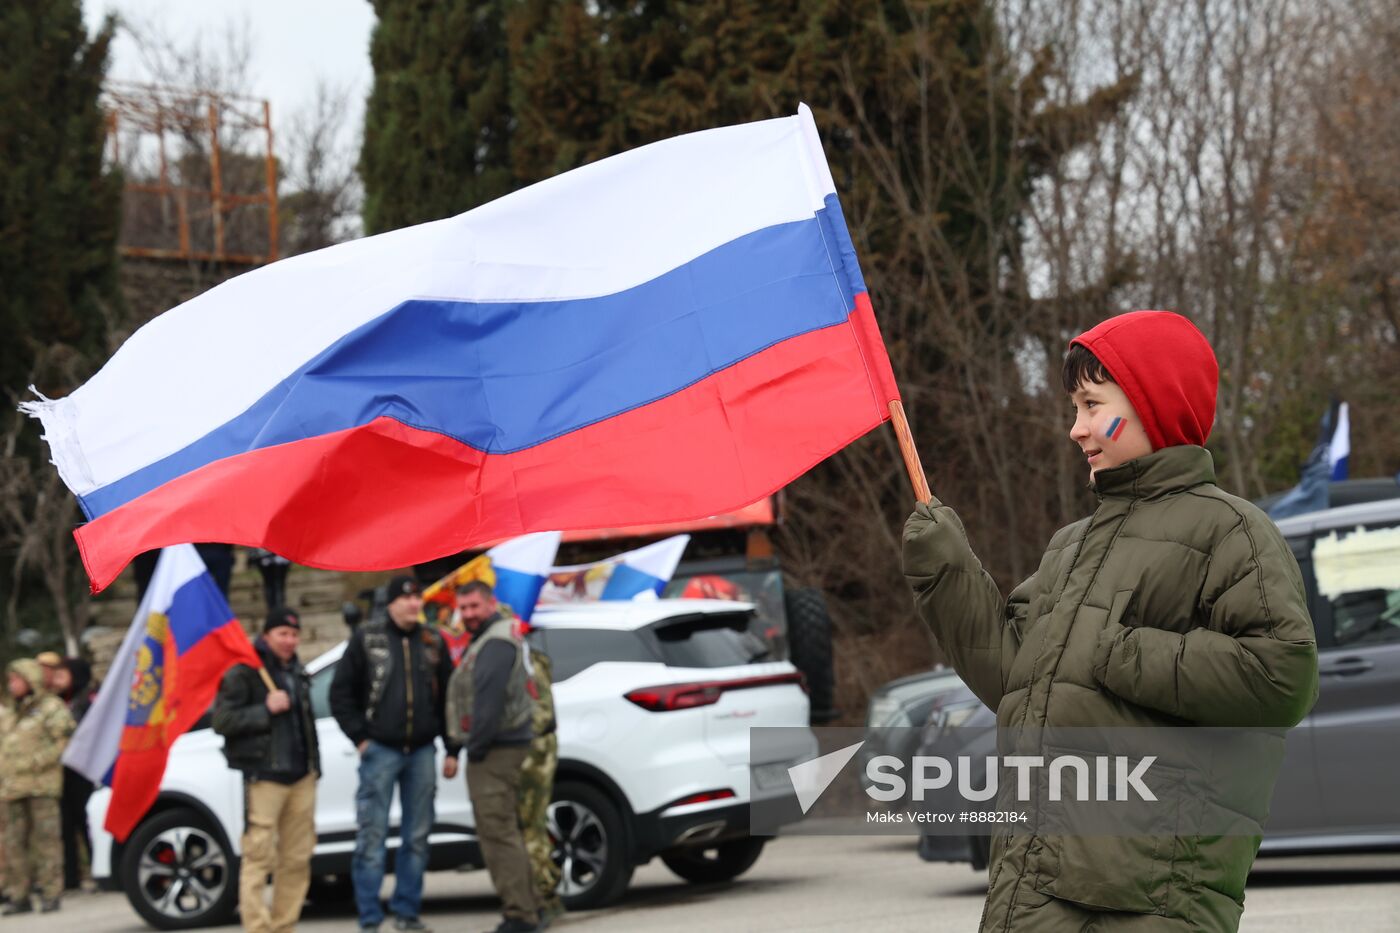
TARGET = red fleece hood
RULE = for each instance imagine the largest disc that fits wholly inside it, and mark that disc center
(1166, 368)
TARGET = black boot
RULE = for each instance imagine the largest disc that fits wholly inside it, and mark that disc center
(516, 925)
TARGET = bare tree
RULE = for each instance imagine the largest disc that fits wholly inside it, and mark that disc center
(316, 182)
(322, 195)
(947, 152)
(38, 514)
(1234, 160)
(1202, 192)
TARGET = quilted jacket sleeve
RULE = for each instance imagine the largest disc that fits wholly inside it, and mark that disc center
(1254, 665)
(959, 601)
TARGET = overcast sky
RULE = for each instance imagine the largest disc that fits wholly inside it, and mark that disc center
(294, 43)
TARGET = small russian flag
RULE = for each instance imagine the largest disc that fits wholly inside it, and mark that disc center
(1115, 428)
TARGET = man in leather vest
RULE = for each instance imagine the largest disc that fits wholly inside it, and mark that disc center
(270, 735)
(491, 707)
(388, 696)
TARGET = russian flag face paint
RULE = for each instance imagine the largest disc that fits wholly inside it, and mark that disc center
(1116, 428)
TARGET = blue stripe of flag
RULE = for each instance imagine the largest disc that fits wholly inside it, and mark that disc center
(504, 377)
(626, 582)
(520, 591)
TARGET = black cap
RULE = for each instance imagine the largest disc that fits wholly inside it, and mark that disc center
(402, 586)
(280, 617)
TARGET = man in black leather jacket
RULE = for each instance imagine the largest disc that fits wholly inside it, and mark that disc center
(270, 735)
(388, 696)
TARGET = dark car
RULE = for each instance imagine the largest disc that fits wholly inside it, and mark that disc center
(898, 709)
(1336, 789)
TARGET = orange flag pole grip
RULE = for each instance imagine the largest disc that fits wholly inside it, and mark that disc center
(911, 453)
(266, 678)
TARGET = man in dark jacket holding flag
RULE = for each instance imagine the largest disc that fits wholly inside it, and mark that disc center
(1174, 604)
(270, 735)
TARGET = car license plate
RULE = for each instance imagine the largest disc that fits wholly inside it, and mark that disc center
(771, 776)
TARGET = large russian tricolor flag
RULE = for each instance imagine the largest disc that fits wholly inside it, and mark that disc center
(667, 334)
(181, 642)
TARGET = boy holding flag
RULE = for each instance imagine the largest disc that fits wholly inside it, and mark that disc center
(1174, 604)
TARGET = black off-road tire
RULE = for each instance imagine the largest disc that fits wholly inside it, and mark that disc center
(809, 639)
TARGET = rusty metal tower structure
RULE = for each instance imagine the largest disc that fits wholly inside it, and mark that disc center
(200, 175)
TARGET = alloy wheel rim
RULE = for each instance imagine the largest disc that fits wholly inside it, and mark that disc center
(182, 872)
(580, 846)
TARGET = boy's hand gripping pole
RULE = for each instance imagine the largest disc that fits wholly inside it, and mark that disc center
(911, 453)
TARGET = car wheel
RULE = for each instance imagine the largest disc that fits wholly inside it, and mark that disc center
(809, 640)
(590, 846)
(178, 872)
(722, 862)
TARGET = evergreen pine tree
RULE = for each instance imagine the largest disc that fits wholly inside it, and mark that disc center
(59, 209)
(437, 125)
(561, 90)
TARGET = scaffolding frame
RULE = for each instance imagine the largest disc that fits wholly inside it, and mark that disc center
(158, 111)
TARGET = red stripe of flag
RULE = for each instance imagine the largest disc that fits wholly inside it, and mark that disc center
(389, 495)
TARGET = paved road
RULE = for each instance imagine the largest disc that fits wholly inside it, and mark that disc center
(829, 884)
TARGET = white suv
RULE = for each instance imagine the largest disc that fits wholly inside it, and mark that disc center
(654, 702)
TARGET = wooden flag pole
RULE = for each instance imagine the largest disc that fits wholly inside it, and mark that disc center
(911, 453)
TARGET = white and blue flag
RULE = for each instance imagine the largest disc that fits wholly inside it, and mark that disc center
(521, 566)
(1339, 447)
(644, 573)
(1328, 463)
(639, 574)
(516, 570)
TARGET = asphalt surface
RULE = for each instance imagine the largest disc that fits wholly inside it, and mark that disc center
(828, 883)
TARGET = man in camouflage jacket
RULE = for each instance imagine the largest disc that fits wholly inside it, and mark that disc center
(537, 787)
(34, 729)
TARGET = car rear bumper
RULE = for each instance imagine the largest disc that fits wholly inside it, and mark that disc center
(716, 821)
(688, 826)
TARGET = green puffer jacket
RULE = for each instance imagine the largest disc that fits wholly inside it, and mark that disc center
(1173, 604)
(34, 731)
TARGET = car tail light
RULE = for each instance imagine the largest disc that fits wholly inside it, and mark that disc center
(706, 797)
(669, 697)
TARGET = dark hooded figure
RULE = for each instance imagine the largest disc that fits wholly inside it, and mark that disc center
(73, 684)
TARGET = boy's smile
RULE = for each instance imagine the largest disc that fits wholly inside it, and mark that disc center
(1105, 426)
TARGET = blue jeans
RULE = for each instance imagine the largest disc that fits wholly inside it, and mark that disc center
(381, 767)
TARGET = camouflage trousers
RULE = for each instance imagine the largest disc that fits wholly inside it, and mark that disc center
(33, 848)
(536, 789)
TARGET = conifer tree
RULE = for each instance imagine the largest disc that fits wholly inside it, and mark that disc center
(437, 124)
(59, 208)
